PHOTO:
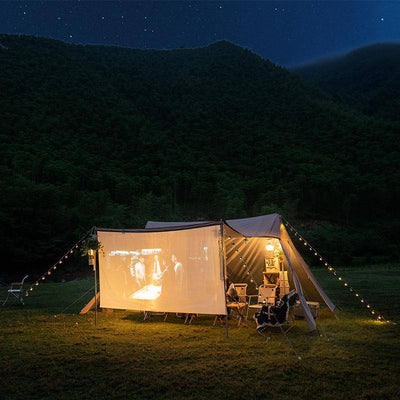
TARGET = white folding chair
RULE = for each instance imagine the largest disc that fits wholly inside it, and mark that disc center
(16, 290)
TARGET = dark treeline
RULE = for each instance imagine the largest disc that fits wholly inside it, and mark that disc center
(367, 79)
(109, 136)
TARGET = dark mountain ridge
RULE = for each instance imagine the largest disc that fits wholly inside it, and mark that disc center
(367, 78)
(112, 136)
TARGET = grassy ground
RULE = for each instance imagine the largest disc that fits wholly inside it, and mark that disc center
(49, 354)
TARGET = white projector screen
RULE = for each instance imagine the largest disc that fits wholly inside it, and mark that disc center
(170, 271)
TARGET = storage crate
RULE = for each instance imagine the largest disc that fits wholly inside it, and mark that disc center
(314, 308)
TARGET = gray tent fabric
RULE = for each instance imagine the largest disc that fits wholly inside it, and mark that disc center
(307, 313)
(261, 226)
(159, 224)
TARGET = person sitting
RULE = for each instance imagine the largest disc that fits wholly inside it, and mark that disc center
(231, 294)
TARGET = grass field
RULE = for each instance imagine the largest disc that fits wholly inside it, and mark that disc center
(48, 353)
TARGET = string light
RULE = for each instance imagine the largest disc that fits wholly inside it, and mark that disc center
(60, 261)
(296, 234)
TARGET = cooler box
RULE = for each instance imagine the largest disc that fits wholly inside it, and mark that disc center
(314, 308)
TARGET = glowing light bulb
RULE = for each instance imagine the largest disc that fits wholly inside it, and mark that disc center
(60, 262)
(372, 312)
(345, 284)
(305, 243)
(300, 238)
(362, 301)
(37, 284)
(326, 264)
(42, 278)
(340, 278)
(48, 273)
(31, 289)
(54, 267)
(315, 254)
(320, 259)
(368, 306)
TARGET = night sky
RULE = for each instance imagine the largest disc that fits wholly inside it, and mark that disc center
(286, 32)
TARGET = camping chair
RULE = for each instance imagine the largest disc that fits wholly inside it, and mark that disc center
(16, 290)
(277, 316)
(188, 317)
(266, 296)
(239, 306)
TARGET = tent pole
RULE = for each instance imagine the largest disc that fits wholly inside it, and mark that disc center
(95, 289)
(225, 275)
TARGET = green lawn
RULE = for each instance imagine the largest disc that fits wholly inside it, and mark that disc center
(49, 354)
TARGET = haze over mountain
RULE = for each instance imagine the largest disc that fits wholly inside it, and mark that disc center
(112, 136)
(367, 78)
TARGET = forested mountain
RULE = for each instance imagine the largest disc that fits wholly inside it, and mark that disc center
(367, 79)
(109, 136)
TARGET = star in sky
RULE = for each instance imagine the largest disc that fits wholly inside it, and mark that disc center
(286, 32)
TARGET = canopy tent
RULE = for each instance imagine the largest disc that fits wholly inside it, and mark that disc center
(181, 266)
(247, 243)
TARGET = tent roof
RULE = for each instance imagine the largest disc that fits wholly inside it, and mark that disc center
(261, 226)
(264, 225)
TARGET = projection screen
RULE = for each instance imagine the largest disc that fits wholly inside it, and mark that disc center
(169, 271)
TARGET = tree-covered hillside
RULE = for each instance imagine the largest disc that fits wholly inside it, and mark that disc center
(109, 136)
(367, 79)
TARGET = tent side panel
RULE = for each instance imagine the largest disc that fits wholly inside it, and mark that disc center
(311, 288)
(169, 271)
(309, 318)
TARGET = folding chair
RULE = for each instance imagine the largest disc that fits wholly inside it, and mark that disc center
(239, 306)
(266, 296)
(16, 290)
(277, 316)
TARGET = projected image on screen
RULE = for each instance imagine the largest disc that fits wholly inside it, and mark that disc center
(173, 271)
